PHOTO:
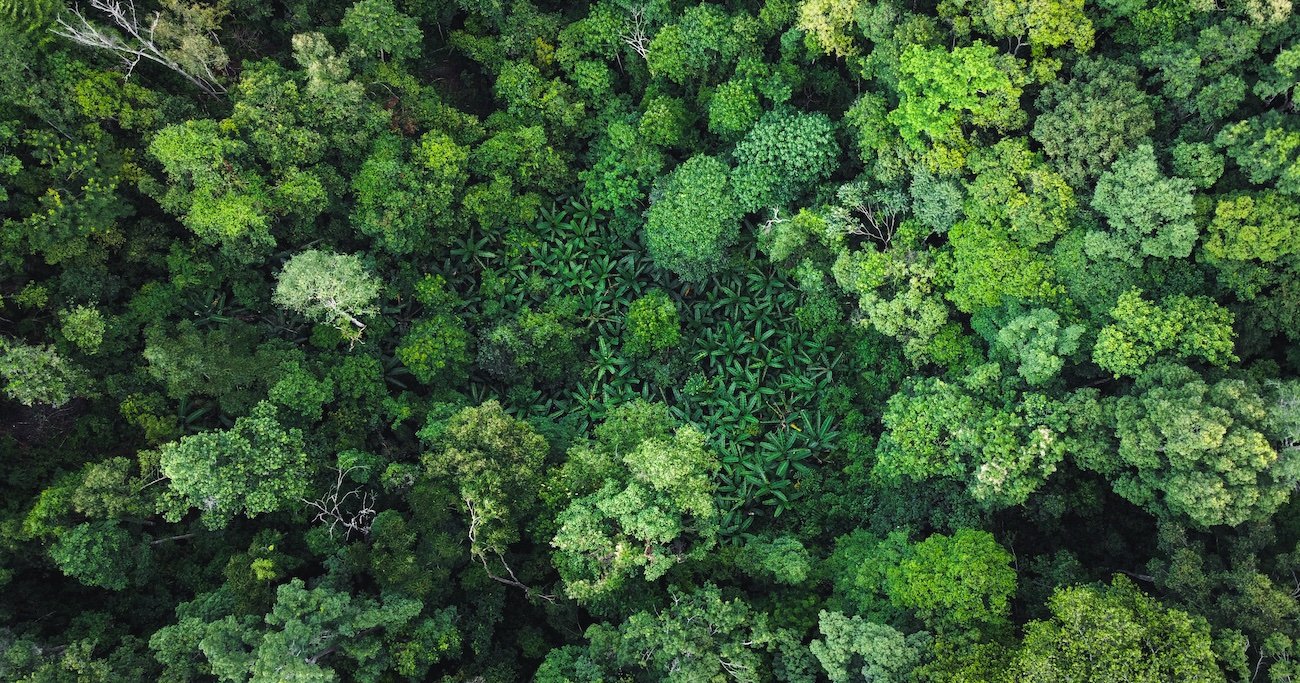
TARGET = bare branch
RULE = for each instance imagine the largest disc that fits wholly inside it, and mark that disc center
(635, 37)
(140, 44)
(335, 508)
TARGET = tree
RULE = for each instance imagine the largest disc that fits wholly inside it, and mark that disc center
(1115, 633)
(1040, 24)
(1038, 341)
(496, 463)
(782, 157)
(405, 195)
(1003, 444)
(1087, 122)
(182, 38)
(897, 292)
(853, 649)
(699, 45)
(329, 288)
(1190, 327)
(652, 324)
(652, 509)
(1149, 214)
(1198, 449)
(100, 554)
(693, 218)
(37, 374)
(1256, 226)
(825, 21)
(317, 634)
(83, 326)
(957, 585)
(212, 187)
(257, 466)
(376, 28)
(987, 268)
(701, 636)
(1015, 187)
(1265, 147)
(957, 582)
(942, 91)
(436, 349)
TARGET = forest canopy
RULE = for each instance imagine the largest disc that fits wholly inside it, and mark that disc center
(948, 341)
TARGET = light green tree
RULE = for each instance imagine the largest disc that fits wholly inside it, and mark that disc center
(37, 374)
(654, 508)
(1198, 449)
(853, 649)
(1115, 633)
(942, 92)
(329, 288)
(1182, 326)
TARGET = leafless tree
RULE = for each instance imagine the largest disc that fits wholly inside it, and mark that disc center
(636, 37)
(353, 510)
(137, 38)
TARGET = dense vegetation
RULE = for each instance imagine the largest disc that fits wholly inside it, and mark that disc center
(640, 340)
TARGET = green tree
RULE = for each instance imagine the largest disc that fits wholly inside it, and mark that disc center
(1039, 342)
(898, 292)
(257, 466)
(693, 217)
(214, 188)
(436, 348)
(37, 374)
(694, 48)
(496, 463)
(702, 636)
(957, 585)
(1198, 449)
(1087, 122)
(652, 324)
(1015, 187)
(329, 288)
(941, 92)
(83, 326)
(652, 508)
(852, 649)
(1189, 327)
(1253, 226)
(405, 195)
(376, 28)
(316, 634)
(1115, 633)
(100, 554)
(987, 268)
(1040, 24)
(1149, 214)
(785, 155)
(962, 581)
(1266, 148)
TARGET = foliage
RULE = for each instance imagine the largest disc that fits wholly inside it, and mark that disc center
(784, 155)
(334, 289)
(1198, 449)
(36, 374)
(1115, 633)
(252, 468)
(1190, 327)
(694, 216)
(797, 340)
(652, 324)
(653, 509)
